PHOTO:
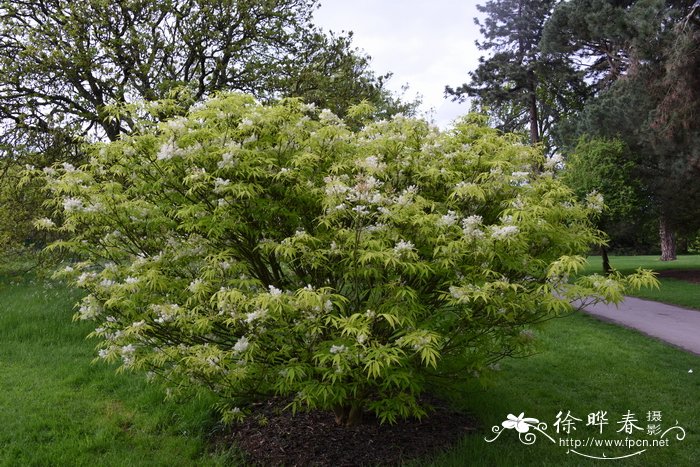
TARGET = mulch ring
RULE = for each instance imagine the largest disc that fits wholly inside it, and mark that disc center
(272, 437)
(688, 275)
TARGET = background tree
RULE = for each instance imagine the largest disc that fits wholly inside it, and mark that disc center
(605, 167)
(645, 63)
(518, 85)
(66, 66)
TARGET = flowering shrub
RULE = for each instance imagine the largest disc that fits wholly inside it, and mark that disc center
(261, 251)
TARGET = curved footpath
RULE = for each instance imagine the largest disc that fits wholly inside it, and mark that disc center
(673, 324)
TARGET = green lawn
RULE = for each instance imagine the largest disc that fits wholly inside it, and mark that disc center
(585, 365)
(672, 291)
(58, 409)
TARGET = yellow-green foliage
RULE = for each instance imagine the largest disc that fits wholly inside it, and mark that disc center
(260, 250)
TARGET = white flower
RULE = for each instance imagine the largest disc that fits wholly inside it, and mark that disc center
(406, 196)
(168, 151)
(361, 338)
(371, 163)
(107, 283)
(361, 209)
(227, 160)
(93, 207)
(326, 116)
(274, 291)
(49, 171)
(335, 349)
(83, 278)
(257, 314)
(503, 231)
(220, 183)
(90, 309)
(241, 345)
(103, 353)
(246, 122)
(448, 219)
(402, 246)
(595, 201)
(471, 226)
(72, 204)
(44, 223)
(456, 292)
(195, 285)
(177, 124)
(131, 280)
(128, 350)
(69, 168)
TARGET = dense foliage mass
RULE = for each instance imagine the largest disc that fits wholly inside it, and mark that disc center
(66, 66)
(259, 250)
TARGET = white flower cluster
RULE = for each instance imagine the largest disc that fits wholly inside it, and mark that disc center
(165, 313)
(326, 116)
(177, 124)
(336, 349)
(471, 227)
(196, 286)
(274, 291)
(228, 159)
(241, 345)
(422, 342)
(127, 352)
(504, 231)
(220, 184)
(169, 150)
(371, 163)
(448, 219)
(72, 204)
(255, 315)
(89, 308)
(595, 201)
(407, 195)
(44, 223)
(402, 246)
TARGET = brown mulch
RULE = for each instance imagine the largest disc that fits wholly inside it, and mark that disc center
(273, 437)
(688, 275)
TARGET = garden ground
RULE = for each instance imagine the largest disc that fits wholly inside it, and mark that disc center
(56, 408)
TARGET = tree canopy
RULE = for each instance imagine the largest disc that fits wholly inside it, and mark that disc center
(72, 72)
(524, 89)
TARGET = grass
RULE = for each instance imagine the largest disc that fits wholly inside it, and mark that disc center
(56, 408)
(673, 291)
(585, 366)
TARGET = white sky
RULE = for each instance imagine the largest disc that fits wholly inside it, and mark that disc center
(426, 44)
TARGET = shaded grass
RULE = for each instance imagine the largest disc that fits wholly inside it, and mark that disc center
(56, 408)
(673, 291)
(585, 366)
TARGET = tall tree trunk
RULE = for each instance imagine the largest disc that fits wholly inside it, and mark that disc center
(532, 104)
(607, 269)
(668, 240)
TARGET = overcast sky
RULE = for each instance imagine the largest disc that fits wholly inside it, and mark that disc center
(427, 44)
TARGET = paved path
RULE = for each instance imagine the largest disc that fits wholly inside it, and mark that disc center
(675, 325)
